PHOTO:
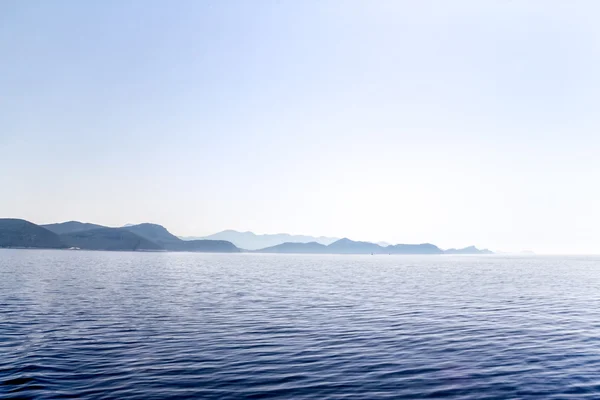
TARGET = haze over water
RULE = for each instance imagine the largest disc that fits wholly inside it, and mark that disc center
(462, 122)
(132, 325)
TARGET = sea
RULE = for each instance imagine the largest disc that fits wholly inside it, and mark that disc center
(135, 325)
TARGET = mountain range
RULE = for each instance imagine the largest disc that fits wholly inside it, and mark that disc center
(347, 246)
(21, 233)
(252, 241)
(152, 237)
(74, 234)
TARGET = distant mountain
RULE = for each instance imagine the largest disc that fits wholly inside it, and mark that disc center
(468, 250)
(144, 236)
(108, 239)
(424, 248)
(347, 246)
(74, 234)
(21, 233)
(161, 236)
(155, 233)
(214, 246)
(147, 236)
(71, 226)
(252, 241)
(312, 248)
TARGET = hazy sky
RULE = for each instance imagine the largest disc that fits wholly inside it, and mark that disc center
(451, 122)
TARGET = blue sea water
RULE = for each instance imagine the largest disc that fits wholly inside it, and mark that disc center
(109, 325)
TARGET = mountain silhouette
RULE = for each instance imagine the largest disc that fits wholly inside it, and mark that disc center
(423, 248)
(71, 226)
(347, 246)
(108, 239)
(155, 233)
(252, 241)
(20, 233)
(74, 234)
(161, 236)
(311, 248)
(154, 237)
(468, 250)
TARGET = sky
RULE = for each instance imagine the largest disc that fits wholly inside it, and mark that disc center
(449, 122)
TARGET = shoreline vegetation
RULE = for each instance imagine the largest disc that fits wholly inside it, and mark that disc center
(147, 237)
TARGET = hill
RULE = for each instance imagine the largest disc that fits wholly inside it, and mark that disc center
(148, 236)
(21, 233)
(155, 233)
(468, 250)
(310, 248)
(161, 236)
(252, 241)
(424, 248)
(347, 246)
(108, 239)
(71, 226)
(209, 246)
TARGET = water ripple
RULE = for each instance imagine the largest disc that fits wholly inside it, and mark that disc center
(100, 325)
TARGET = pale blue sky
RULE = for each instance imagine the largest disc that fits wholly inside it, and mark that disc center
(451, 122)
